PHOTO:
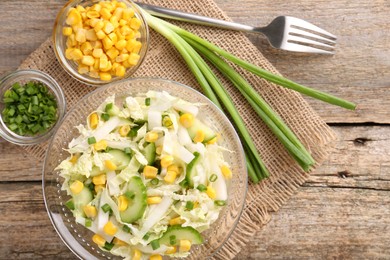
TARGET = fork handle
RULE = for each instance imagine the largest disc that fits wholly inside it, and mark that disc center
(193, 18)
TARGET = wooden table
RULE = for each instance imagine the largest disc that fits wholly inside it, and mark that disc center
(342, 211)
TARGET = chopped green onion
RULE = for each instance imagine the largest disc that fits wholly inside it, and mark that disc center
(184, 184)
(126, 229)
(105, 116)
(154, 181)
(88, 222)
(201, 187)
(108, 246)
(147, 101)
(172, 240)
(167, 121)
(220, 202)
(29, 104)
(189, 205)
(91, 140)
(127, 150)
(70, 204)
(146, 236)
(155, 244)
(108, 107)
(106, 208)
(213, 178)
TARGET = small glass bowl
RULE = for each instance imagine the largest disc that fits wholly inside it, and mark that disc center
(70, 66)
(22, 77)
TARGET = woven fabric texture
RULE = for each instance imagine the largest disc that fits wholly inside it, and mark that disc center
(163, 61)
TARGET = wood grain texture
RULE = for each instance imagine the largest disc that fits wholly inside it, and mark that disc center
(341, 212)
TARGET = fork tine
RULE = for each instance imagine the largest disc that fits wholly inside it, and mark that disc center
(295, 46)
(297, 31)
(309, 26)
(295, 38)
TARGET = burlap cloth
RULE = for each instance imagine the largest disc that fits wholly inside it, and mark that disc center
(163, 61)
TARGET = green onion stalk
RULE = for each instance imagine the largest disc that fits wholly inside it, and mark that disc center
(191, 47)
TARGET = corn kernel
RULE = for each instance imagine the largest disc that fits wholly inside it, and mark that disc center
(186, 120)
(68, 53)
(90, 211)
(75, 157)
(176, 221)
(127, 13)
(73, 17)
(121, 44)
(71, 41)
(103, 63)
(107, 43)
(105, 13)
(150, 172)
(90, 35)
(151, 137)
(133, 58)
(122, 57)
(121, 5)
(112, 53)
(125, 30)
(86, 48)
(199, 136)
(93, 120)
(83, 69)
(98, 240)
(137, 46)
(114, 21)
(80, 8)
(159, 149)
(100, 34)
(76, 54)
(101, 145)
(166, 161)
(96, 7)
(120, 71)
(67, 31)
(155, 257)
(110, 165)
(118, 12)
(174, 167)
(171, 250)
(227, 173)
(110, 229)
(80, 35)
(123, 203)
(96, 44)
(99, 188)
(184, 245)
(76, 187)
(108, 27)
(211, 192)
(122, 22)
(124, 130)
(135, 23)
(136, 255)
(93, 14)
(153, 200)
(93, 22)
(98, 26)
(97, 53)
(113, 37)
(88, 60)
(119, 242)
(99, 180)
(170, 177)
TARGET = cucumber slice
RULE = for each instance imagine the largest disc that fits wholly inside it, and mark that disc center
(120, 158)
(191, 169)
(150, 153)
(178, 233)
(198, 125)
(137, 205)
(81, 199)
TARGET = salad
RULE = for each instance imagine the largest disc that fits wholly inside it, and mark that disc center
(146, 176)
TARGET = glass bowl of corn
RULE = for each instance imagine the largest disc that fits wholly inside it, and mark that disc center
(98, 42)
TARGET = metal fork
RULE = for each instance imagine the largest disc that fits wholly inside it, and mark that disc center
(284, 32)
